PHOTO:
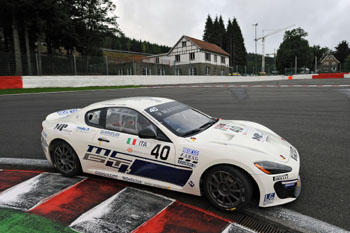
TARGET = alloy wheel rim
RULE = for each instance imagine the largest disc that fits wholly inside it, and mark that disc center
(225, 189)
(64, 158)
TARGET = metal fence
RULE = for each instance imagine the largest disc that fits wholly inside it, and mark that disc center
(131, 65)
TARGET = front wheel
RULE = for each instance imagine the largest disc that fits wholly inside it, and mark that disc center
(65, 159)
(227, 188)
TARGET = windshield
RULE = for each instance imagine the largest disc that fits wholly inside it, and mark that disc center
(180, 119)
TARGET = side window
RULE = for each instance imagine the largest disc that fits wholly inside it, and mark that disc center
(126, 120)
(93, 117)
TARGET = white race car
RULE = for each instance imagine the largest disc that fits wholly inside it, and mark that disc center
(167, 144)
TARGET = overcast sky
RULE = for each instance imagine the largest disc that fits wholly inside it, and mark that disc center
(327, 22)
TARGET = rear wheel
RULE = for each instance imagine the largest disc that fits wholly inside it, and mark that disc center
(65, 159)
(227, 188)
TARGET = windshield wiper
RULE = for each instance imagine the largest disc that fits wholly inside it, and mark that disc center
(191, 132)
(203, 127)
(208, 124)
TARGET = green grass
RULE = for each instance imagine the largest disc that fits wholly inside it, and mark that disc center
(13, 221)
(57, 89)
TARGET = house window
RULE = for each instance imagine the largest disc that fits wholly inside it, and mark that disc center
(207, 56)
(333, 63)
(177, 58)
(215, 58)
(178, 72)
(326, 63)
(192, 56)
(207, 70)
(192, 71)
(223, 60)
(183, 43)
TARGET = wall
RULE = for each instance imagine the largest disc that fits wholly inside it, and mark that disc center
(84, 81)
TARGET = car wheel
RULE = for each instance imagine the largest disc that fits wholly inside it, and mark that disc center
(65, 159)
(227, 188)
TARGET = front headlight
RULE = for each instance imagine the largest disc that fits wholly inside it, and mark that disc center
(272, 168)
(293, 153)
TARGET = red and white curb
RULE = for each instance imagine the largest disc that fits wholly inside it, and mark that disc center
(103, 205)
(81, 202)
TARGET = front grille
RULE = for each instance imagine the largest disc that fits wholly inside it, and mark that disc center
(285, 189)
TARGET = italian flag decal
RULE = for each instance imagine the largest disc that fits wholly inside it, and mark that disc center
(131, 141)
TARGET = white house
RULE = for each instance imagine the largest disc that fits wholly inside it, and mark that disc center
(198, 57)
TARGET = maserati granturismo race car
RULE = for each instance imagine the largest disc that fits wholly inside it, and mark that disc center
(166, 144)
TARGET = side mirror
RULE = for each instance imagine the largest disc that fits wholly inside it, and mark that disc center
(147, 133)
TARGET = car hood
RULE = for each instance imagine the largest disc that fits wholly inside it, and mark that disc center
(247, 135)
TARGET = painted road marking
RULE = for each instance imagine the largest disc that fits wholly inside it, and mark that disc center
(27, 194)
(296, 221)
(179, 217)
(189, 86)
(123, 212)
(71, 203)
(9, 179)
(235, 228)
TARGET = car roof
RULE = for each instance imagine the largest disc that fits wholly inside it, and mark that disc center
(139, 103)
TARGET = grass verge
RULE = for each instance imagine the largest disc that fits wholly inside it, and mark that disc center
(14, 221)
(57, 89)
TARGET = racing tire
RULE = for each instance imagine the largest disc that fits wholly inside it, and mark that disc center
(65, 159)
(227, 188)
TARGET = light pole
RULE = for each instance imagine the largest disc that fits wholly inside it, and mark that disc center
(256, 42)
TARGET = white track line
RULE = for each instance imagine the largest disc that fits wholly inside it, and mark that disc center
(192, 86)
(296, 221)
(281, 215)
(41, 163)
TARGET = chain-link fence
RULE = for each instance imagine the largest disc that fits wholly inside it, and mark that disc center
(44, 64)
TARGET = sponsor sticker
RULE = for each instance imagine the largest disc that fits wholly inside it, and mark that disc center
(269, 198)
(131, 180)
(281, 177)
(260, 137)
(82, 129)
(288, 184)
(109, 133)
(190, 151)
(138, 142)
(222, 126)
(67, 112)
(64, 128)
(189, 157)
(44, 144)
(191, 184)
(44, 134)
(108, 175)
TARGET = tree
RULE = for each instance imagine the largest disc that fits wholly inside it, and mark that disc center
(294, 45)
(208, 30)
(342, 51)
(235, 44)
(347, 64)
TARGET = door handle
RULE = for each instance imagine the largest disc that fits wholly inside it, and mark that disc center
(103, 140)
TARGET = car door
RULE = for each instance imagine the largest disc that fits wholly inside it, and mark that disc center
(133, 157)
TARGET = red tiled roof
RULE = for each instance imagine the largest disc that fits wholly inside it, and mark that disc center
(208, 46)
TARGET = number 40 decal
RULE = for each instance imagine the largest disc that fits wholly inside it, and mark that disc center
(164, 152)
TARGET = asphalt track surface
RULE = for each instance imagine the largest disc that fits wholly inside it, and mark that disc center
(315, 120)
